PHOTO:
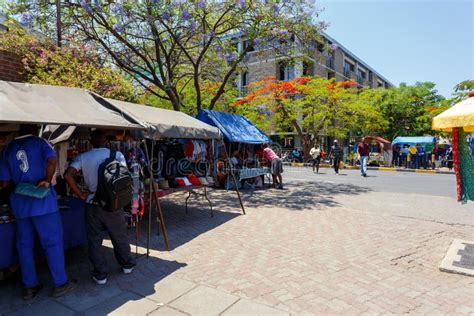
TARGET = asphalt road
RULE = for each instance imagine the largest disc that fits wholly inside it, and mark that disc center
(380, 181)
(427, 197)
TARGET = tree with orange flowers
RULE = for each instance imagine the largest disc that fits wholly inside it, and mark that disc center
(310, 106)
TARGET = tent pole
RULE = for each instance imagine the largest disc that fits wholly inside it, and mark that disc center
(235, 180)
(159, 211)
(148, 233)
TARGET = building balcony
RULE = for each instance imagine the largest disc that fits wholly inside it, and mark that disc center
(330, 62)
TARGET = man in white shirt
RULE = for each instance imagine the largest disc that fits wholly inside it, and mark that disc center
(315, 154)
(98, 220)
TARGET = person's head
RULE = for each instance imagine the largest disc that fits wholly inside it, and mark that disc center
(363, 140)
(128, 137)
(335, 142)
(266, 145)
(28, 129)
(98, 139)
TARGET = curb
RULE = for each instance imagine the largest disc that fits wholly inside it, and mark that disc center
(385, 169)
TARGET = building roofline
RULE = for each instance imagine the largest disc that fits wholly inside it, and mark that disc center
(354, 56)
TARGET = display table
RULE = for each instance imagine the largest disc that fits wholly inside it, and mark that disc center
(247, 173)
(74, 230)
(191, 190)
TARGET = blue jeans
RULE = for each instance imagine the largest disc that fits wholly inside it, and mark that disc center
(363, 164)
(49, 228)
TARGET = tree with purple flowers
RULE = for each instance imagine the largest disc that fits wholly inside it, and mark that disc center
(168, 46)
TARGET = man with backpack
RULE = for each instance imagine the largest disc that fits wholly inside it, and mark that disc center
(108, 185)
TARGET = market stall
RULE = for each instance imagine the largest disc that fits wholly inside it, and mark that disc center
(182, 152)
(459, 120)
(415, 151)
(41, 104)
(242, 148)
(380, 150)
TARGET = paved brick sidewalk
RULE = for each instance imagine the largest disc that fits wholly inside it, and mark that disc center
(298, 251)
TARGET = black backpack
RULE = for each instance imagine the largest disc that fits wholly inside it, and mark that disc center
(114, 184)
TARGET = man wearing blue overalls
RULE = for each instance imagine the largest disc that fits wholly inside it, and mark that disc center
(31, 160)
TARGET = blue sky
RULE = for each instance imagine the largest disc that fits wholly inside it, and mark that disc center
(407, 40)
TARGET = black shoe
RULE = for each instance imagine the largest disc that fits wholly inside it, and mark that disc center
(64, 289)
(30, 293)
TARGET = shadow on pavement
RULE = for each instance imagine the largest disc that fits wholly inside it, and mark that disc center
(297, 196)
(182, 227)
(90, 297)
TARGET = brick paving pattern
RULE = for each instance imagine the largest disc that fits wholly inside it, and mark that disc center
(298, 251)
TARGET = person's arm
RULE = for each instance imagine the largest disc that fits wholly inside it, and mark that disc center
(50, 171)
(69, 176)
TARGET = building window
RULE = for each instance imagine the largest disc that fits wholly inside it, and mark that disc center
(348, 68)
(331, 75)
(308, 69)
(247, 43)
(285, 71)
(244, 79)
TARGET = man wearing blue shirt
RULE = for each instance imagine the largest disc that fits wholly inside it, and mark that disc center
(31, 160)
(98, 220)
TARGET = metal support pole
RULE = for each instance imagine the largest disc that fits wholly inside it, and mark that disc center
(235, 180)
(158, 206)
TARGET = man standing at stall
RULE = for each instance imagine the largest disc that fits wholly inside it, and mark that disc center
(98, 219)
(29, 162)
(276, 166)
(363, 150)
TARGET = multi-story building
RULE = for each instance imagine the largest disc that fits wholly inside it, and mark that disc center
(340, 64)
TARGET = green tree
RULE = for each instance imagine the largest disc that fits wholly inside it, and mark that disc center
(462, 90)
(188, 98)
(312, 106)
(72, 66)
(166, 45)
(408, 109)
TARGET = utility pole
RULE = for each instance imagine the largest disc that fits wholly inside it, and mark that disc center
(58, 23)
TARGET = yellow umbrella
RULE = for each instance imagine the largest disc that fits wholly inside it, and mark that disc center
(460, 115)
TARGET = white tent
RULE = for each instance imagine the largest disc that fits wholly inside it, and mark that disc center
(24, 103)
(166, 123)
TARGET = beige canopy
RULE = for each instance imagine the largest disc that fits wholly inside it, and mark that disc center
(460, 115)
(43, 104)
(166, 123)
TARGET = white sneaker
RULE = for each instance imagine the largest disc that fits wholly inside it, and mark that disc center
(99, 281)
(127, 270)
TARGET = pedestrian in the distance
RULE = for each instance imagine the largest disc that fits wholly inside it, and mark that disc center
(336, 153)
(99, 220)
(363, 150)
(276, 166)
(315, 154)
(29, 162)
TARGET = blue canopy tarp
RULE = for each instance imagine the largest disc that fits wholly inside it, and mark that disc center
(235, 128)
(413, 140)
